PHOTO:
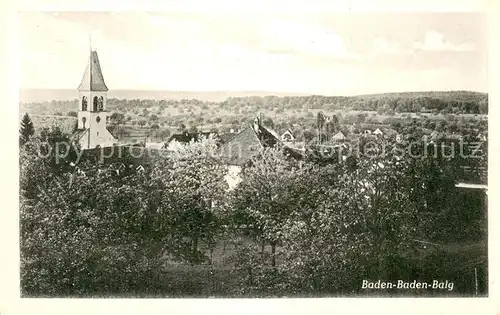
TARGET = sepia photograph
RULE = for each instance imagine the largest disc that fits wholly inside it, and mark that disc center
(253, 154)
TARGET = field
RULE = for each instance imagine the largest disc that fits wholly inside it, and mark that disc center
(156, 119)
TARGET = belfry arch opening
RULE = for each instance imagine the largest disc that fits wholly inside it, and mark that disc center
(95, 104)
(84, 103)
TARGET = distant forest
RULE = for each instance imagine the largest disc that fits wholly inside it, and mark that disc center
(454, 102)
(458, 102)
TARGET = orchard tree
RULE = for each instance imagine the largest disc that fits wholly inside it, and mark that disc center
(117, 118)
(42, 158)
(87, 230)
(33, 170)
(357, 222)
(263, 198)
(320, 122)
(121, 132)
(58, 150)
(192, 189)
(164, 134)
(268, 122)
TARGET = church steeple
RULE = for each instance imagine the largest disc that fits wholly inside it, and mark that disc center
(92, 114)
(93, 80)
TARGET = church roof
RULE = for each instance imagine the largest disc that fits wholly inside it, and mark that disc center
(111, 133)
(78, 134)
(93, 80)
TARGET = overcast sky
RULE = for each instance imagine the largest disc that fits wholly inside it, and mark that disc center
(332, 54)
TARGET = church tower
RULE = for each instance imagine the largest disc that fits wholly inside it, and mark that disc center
(92, 114)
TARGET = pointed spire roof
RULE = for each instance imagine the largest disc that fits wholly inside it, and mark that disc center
(93, 80)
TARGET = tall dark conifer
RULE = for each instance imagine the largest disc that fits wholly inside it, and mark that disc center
(26, 130)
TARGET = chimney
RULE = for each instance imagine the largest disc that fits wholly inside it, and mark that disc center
(256, 124)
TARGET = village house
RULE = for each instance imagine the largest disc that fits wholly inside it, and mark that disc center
(287, 136)
(453, 136)
(154, 145)
(225, 137)
(378, 133)
(178, 141)
(339, 136)
(481, 137)
(352, 129)
(389, 133)
(246, 145)
(435, 136)
(399, 137)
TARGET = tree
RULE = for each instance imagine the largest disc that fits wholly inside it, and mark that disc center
(483, 106)
(27, 129)
(59, 229)
(320, 122)
(164, 134)
(268, 122)
(193, 129)
(181, 128)
(192, 187)
(121, 132)
(117, 118)
(331, 127)
(57, 150)
(155, 128)
(308, 136)
(33, 170)
(349, 228)
(262, 200)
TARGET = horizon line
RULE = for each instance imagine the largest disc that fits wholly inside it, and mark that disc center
(266, 91)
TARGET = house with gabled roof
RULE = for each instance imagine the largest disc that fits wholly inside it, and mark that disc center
(177, 141)
(239, 151)
(435, 135)
(247, 144)
(352, 129)
(389, 133)
(339, 136)
(226, 137)
(287, 136)
(481, 137)
(378, 132)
